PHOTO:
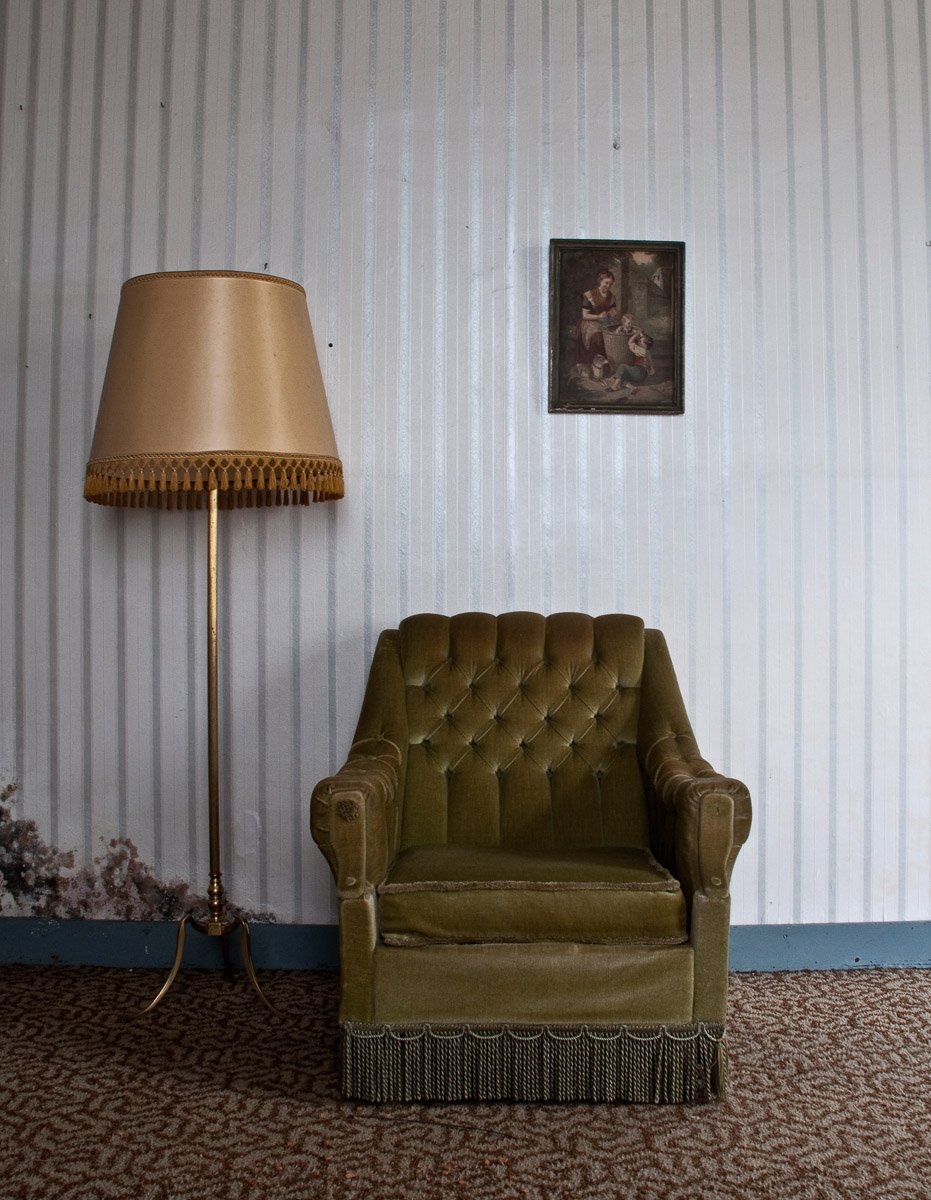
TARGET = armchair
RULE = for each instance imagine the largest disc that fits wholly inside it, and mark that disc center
(532, 864)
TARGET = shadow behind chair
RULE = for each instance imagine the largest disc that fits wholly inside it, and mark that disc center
(532, 864)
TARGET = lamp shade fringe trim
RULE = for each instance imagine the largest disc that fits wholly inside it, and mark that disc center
(241, 480)
(664, 1064)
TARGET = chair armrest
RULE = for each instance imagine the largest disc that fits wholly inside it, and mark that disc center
(700, 818)
(711, 813)
(353, 816)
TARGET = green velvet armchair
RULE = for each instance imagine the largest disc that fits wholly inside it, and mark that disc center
(532, 864)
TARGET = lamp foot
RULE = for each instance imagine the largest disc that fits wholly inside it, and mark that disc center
(175, 966)
(222, 929)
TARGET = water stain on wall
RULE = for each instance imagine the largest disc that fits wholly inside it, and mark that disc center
(39, 880)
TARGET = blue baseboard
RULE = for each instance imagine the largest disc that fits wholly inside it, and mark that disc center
(137, 944)
(830, 947)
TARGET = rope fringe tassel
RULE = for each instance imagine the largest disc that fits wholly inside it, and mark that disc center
(635, 1064)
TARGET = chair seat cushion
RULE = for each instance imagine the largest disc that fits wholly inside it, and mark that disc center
(465, 894)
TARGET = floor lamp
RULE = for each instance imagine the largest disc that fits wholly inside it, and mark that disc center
(212, 397)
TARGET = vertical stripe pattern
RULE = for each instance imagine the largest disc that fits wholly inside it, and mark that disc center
(408, 163)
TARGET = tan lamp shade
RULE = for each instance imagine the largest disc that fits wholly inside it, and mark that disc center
(213, 382)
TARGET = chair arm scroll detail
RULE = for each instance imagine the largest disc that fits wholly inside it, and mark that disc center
(711, 813)
(353, 816)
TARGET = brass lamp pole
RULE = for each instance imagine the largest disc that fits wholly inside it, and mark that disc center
(213, 391)
(218, 923)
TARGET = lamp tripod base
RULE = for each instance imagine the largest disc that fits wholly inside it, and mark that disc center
(222, 928)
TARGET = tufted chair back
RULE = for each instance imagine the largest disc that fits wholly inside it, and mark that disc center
(522, 730)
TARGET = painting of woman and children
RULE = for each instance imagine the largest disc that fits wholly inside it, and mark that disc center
(616, 326)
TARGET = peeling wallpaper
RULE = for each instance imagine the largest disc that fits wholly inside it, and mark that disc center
(408, 162)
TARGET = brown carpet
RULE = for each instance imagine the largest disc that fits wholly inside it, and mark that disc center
(209, 1097)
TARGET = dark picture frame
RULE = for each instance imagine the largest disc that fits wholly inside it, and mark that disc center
(616, 326)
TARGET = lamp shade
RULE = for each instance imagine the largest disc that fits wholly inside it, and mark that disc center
(213, 382)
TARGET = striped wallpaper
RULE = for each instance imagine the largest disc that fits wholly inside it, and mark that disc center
(408, 162)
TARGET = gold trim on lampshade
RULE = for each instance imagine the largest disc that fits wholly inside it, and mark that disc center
(213, 381)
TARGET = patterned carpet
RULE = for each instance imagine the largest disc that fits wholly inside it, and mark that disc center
(209, 1097)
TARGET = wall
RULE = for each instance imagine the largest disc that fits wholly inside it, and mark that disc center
(408, 161)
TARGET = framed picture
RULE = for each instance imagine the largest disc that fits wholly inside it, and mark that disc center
(616, 329)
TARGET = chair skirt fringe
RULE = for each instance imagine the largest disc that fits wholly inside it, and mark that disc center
(638, 1064)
